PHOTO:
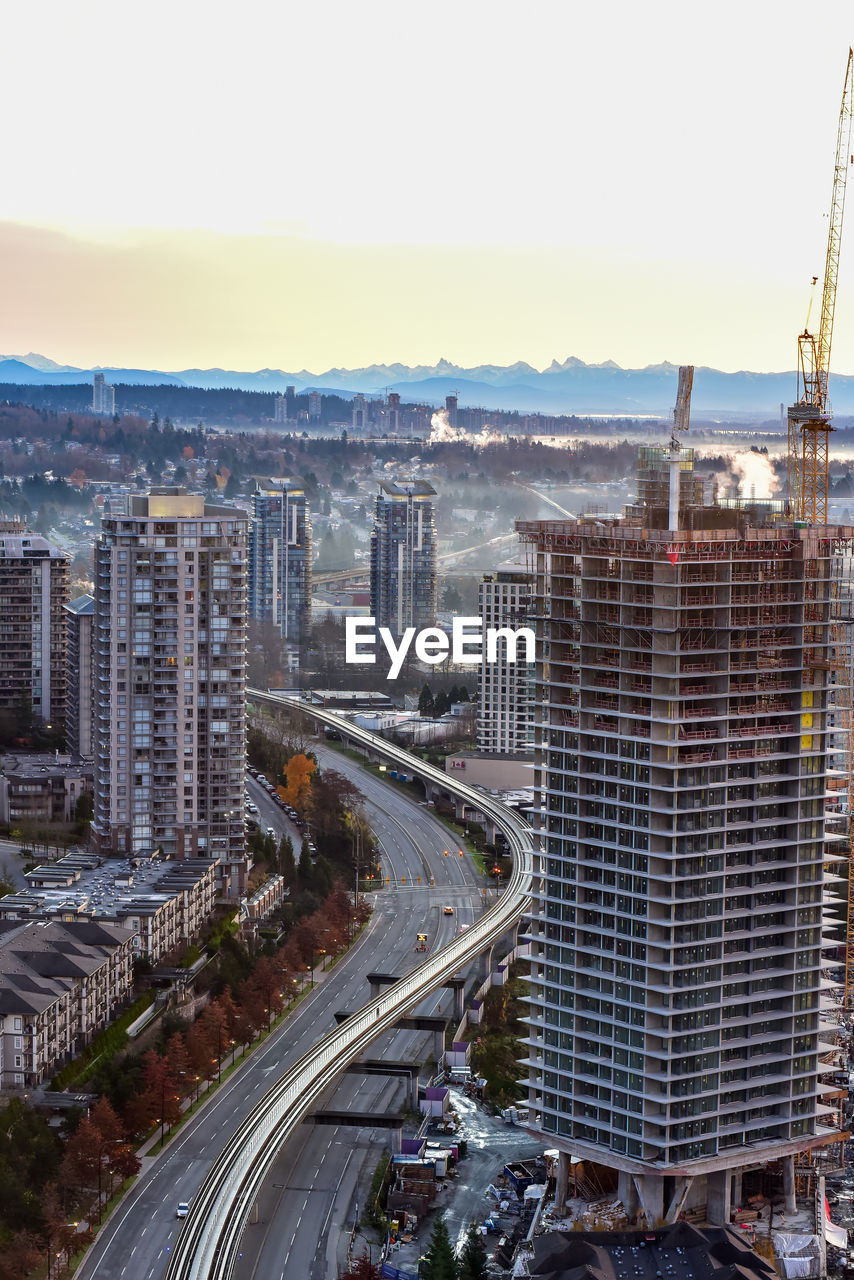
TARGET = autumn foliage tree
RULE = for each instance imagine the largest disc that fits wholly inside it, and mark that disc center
(298, 773)
(362, 1268)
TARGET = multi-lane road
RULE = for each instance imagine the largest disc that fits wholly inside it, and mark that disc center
(137, 1241)
(308, 1201)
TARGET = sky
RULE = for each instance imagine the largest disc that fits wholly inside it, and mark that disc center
(312, 185)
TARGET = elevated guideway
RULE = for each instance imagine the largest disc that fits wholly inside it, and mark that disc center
(208, 1242)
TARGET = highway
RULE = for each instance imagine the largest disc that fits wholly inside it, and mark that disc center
(138, 1241)
(309, 1196)
(207, 1247)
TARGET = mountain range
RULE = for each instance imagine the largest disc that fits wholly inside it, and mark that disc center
(567, 387)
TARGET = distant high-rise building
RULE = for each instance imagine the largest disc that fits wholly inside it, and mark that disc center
(451, 410)
(403, 556)
(103, 395)
(34, 578)
(280, 558)
(170, 677)
(360, 413)
(280, 409)
(393, 412)
(505, 720)
(79, 617)
(315, 406)
(683, 683)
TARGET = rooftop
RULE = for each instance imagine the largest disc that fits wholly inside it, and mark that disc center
(407, 488)
(103, 889)
(679, 1252)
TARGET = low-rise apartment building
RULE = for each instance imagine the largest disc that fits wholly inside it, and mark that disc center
(162, 904)
(38, 788)
(60, 983)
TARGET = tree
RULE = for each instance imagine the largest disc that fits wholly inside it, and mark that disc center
(263, 989)
(179, 1063)
(363, 1269)
(304, 868)
(159, 1096)
(57, 1233)
(201, 1052)
(472, 1265)
(287, 865)
(81, 1164)
(441, 704)
(298, 773)
(439, 1262)
(83, 813)
(425, 701)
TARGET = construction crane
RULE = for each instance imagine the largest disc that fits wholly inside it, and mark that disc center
(681, 418)
(809, 418)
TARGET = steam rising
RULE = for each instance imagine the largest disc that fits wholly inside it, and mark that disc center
(754, 474)
(441, 432)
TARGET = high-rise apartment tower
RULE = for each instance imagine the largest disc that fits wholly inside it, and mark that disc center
(79, 618)
(103, 396)
(682, 685)
(33, 592)
(505, 720)
(170, 677)
(280, 558)
(403, 556)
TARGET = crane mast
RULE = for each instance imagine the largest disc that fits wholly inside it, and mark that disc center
(809, 418)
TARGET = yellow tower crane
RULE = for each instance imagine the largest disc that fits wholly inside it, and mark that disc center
(809, 418)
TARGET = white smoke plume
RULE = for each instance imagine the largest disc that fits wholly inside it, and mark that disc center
(754, 474)
(441, 432)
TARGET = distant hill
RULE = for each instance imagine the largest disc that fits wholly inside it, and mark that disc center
(14, 370)
(564, 387)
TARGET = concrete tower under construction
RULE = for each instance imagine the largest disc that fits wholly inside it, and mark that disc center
(681, 704)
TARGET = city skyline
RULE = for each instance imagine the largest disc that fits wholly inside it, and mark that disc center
(606, 185)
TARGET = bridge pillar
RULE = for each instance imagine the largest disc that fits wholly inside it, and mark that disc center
(438, 1045)
(483, 964)
(376, 988)
(459, 1003)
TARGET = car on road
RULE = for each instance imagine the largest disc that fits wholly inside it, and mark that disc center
(182, 1210)
(448, 911)
(271, 832)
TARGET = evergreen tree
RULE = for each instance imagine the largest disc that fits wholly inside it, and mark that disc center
(472, 1265)
(304, 868)
(439, 1262)
(441, 704)
(287, 865)
(425, 701)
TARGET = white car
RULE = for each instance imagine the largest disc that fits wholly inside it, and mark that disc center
(182, 1210)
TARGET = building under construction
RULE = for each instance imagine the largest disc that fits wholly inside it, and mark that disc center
(684, 681)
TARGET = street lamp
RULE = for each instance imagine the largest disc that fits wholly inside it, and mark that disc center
(311, 972)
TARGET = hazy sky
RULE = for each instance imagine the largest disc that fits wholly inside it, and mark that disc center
(309, 183)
